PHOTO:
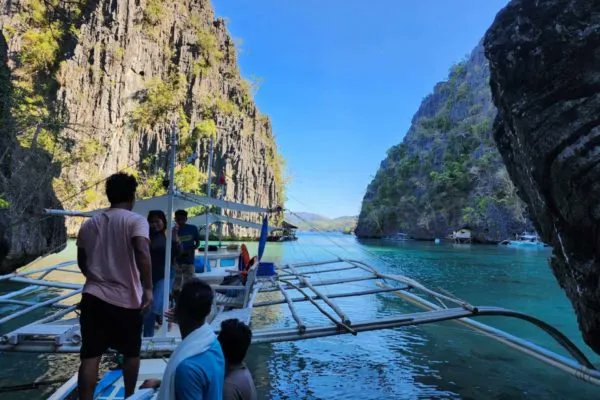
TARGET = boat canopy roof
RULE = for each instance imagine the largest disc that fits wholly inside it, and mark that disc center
(285, 226)
(200, 220)
(181, 201)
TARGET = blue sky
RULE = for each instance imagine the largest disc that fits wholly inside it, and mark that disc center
(341, 80)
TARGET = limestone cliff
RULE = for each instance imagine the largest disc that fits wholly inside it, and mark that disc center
(98, 84)
(20, 239)
(447, 173)
(545, 78)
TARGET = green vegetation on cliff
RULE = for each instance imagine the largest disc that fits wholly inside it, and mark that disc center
(89, 89)
(447, 173)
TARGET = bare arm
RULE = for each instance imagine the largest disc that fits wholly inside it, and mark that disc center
(141, 249)
(82, 260)
(197, 240)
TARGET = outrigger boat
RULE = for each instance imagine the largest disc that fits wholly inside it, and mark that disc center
(525, 240)
(58, 331)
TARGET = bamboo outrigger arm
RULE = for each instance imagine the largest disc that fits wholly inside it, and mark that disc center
(54, 334)
(301, 326)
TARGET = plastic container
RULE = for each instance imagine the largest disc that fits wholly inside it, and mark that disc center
(199, 265)
(266, 269)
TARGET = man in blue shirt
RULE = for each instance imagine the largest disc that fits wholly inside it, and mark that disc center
(196, 370)
(190, 240)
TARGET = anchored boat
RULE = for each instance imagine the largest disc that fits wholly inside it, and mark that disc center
(525, 240)
(59, 332)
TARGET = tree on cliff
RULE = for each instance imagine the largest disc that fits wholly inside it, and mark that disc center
(447, 172)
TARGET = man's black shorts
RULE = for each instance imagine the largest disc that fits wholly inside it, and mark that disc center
(104, 325)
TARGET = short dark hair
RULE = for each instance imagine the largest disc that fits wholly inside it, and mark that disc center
(183, 213)
(120, 188)
(159, 214)
(195, 300)
(235, 338)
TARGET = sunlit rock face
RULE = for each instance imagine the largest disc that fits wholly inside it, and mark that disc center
(106, 79)
(447, 173)
(545, 78)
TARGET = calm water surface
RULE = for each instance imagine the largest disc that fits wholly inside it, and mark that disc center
(445, 360)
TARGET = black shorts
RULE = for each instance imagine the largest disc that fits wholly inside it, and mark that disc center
(104, 326)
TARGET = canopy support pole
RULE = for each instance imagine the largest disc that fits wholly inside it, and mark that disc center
(208, 188)
(169, 245)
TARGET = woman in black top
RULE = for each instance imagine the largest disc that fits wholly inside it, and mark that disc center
(158, 246)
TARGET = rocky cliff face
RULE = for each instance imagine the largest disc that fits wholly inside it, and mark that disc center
(20, 239)
(544, 58)
(98, 85)
(447, 173)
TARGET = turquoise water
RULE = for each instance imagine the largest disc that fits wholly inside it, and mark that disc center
(444, 360)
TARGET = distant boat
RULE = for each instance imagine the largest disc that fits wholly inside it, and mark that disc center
(525, 240)
(285, 233)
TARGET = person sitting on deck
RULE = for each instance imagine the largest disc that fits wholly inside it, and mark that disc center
(196, 369)
(190, 240)
(235, 338)
(239, 277)
(245, 262)
(113, 255)
(158, 247)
